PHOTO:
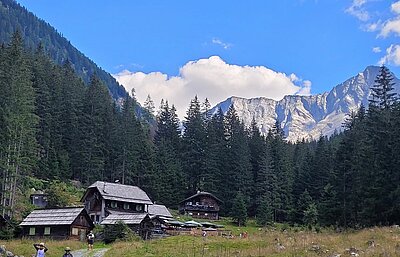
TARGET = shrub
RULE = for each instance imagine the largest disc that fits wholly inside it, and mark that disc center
(118, 231)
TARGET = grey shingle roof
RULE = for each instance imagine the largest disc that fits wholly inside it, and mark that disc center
(64, 216)
(127, 218)
(202, 194)
(159, 210)
(123, 193)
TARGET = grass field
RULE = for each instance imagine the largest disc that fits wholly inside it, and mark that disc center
(260, 242)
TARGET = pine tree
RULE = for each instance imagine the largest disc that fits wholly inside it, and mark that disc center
(257, 149)
(19, 121)
(280, 166)
(194, 145)
(237, 168)
(149, 108)
(265, 211)
(239, 210)
(97, 112)
(381, 91)
(170, 180)
(213, 181)
(70, 118)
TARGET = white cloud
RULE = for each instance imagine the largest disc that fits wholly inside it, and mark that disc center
(392, 56)
(212, 78)
(219, 42)
(357, 10)
(372, 27)
(306, 89)
(396, 7)
(376, 49)
(390, 26)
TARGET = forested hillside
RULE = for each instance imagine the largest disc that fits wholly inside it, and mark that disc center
(52, 127)
(34, 30)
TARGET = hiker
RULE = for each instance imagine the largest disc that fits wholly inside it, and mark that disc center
(90, 240)
(41, 249)
(67, 252)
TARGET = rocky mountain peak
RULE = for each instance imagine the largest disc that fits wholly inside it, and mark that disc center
(307, 117)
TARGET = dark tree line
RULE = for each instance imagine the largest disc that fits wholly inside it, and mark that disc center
(54, 126)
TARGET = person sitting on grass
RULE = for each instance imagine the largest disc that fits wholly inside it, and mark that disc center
(90, 240)
(67, 252)
(40, 250)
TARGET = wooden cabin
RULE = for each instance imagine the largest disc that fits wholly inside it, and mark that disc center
(60, 223)
(103, 198)
(160, 211)
(159, 214)
(202, 205)
(39, 199)
(140, 223)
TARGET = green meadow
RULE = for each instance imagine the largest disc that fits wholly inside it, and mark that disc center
(277, 241)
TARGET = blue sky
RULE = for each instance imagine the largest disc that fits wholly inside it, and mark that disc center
(320, 42)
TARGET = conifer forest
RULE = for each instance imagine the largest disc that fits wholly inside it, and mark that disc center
(54, 126)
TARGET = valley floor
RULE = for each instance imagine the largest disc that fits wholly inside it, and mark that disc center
(383, 241)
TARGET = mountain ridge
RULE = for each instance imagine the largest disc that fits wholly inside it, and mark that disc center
(308, 117)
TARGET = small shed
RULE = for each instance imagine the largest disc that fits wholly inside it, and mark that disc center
(159, 210)
(140, 223)
(39, 199)
(60, 223)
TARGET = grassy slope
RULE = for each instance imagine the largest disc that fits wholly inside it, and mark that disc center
(261, 242)
(265, 243)
(25, 247)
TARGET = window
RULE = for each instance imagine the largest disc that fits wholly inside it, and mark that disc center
(97, 218)
(126, 206)
(32, 231)
(75, 231)
(47, 230)
(92, 217)
(139, 207)
(113, 204)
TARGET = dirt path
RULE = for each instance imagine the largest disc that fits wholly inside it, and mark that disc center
(85, 253)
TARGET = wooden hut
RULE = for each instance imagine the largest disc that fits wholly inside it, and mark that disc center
(39, 199)
(201, 205)
(140, 223)
(61, 223)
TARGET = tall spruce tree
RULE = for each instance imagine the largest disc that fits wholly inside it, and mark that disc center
(194, 150)
(19, 122)
(170, 180)
(97, 112)
(237, 168)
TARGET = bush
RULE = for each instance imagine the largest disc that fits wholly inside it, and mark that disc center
(118, 231)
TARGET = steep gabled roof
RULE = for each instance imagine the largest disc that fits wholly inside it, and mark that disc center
(127, 218)
(119, 192)
(159, 210)
(202, 194)
(61, 216)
